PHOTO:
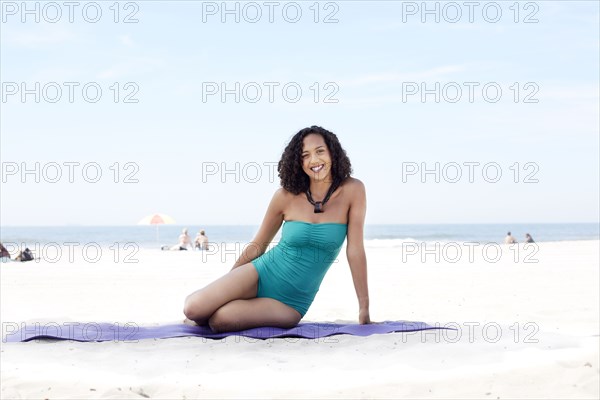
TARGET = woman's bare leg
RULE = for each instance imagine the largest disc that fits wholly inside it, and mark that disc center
(239, 283)
(238, 315)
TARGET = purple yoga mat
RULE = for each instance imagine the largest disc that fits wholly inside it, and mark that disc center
(100, 332)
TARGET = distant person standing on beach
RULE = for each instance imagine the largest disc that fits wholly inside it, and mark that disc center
(528, 238)
(509, 239)
(201, 241)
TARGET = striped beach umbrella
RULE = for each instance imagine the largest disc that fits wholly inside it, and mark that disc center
(156, 219)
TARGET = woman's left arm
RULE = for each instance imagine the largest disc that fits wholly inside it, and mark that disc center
(355, 249)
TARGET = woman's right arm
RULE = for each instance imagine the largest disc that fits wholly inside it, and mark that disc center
(267, 231)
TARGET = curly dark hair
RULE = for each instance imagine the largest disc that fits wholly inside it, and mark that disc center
(292, 176)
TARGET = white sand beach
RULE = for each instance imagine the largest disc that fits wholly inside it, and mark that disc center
(526, 330)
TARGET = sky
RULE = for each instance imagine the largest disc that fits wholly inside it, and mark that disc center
(449, 114)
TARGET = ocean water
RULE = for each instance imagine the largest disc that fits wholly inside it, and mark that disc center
(375, 235)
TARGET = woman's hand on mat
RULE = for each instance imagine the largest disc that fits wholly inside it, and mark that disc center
(363, 316)
(188, 321)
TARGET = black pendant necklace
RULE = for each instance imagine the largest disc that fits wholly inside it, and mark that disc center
(319, 204)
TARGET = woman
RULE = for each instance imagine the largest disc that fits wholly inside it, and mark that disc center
(319, 205)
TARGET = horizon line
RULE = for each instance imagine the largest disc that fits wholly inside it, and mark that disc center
(403, 223)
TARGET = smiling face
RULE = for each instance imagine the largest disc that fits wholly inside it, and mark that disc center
(316, 159)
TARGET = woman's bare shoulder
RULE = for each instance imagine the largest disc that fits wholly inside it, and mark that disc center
(354, 185)
(283, 194)
(281, 198)
(353, 181)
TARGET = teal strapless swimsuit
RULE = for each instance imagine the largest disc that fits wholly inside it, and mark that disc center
(293, 270)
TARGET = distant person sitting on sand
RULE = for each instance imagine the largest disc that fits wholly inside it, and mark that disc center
(184, 242)
(4, 252)
(201, 241)
(509, 239)
(25, 255)
(528, 238)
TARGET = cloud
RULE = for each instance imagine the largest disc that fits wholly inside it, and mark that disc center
(43, 37)
(394, 77)
(126, 40)
(133, 66)
(583, 93)
(553, 97)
